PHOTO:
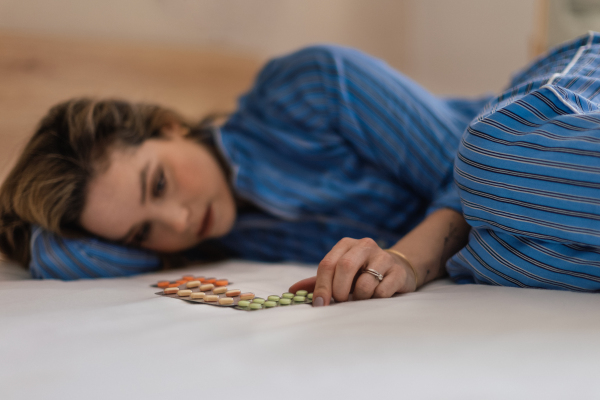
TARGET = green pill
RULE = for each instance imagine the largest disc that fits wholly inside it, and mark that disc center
(255, 306)
(299, 299)
(301, 293)
(258, 300)
(270, 304)
(273, 298)
(285, 302)
(243, 303)
(288, 295)
(309, 296)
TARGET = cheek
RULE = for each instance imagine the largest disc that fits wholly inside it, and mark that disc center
(168, 242)
(109, 212)
(195, 176)
(189, 183)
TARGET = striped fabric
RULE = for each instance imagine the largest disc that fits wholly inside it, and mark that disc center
(528, 171)
(54, 257)
(328, 143)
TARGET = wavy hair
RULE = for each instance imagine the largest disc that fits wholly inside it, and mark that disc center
(48, 184)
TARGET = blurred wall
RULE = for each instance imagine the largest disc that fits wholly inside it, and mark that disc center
(458, 47)
(569, 18)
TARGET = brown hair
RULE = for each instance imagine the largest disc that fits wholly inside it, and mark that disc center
(47, 186)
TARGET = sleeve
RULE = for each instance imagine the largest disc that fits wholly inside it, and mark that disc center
(330, 93)
(447, 197)
(55, 257)
(529, 181)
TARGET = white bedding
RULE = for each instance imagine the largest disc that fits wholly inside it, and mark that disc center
(115, 339)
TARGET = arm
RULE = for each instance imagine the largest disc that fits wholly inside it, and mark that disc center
(428, 247)
(433, 242)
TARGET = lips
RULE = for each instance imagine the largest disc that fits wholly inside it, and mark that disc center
(206, 223)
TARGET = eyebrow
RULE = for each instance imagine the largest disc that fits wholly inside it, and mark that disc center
(143, 175)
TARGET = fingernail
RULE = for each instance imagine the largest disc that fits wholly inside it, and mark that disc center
(318, 302)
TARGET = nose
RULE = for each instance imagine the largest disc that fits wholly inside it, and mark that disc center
(177, 218)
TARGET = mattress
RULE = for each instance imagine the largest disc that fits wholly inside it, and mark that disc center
(115, 339)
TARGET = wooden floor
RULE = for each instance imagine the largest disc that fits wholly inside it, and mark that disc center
(37, 72)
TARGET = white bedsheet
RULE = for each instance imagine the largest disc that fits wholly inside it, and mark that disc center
(115, 339)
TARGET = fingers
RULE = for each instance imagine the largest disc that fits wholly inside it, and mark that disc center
(394, 282)
(367, 283)
(348, 266)
(340, 272)
(307, 284)
(326, 271)
(365, 286)
(387, 287)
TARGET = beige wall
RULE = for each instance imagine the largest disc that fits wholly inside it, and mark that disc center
(450, 46)
(468, 46)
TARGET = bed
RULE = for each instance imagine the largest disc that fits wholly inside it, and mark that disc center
(115, 339)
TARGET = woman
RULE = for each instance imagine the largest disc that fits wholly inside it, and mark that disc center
(329, 144)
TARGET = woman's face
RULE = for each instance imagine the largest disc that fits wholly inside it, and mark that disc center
(165, 195)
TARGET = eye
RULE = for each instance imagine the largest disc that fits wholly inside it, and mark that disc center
(160, 184)
(142, 235)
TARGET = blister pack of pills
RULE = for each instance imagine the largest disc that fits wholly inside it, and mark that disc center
(215, 292)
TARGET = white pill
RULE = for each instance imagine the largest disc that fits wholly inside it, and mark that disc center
(184, 293)
(211, 297)
(220, 290)
(206, 288)
(226, 301)
(171, 290)
(198, 295)
(192, 284)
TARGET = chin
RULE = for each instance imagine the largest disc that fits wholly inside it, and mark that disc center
(228, 226)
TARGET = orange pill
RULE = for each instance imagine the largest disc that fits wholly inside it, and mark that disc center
(246, 296)
(163, 284)
(233, 292)
(200, 278)
(222, 282)
(187, 278)
(173, 284)
(210, 280)
(181, 281)
(171, 290)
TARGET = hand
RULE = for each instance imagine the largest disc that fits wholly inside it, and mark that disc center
(340, 273)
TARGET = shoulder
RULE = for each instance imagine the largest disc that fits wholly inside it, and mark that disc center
(321, 54)
(313, 61)
(304, 80)
(322, 60)
(303, 88)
